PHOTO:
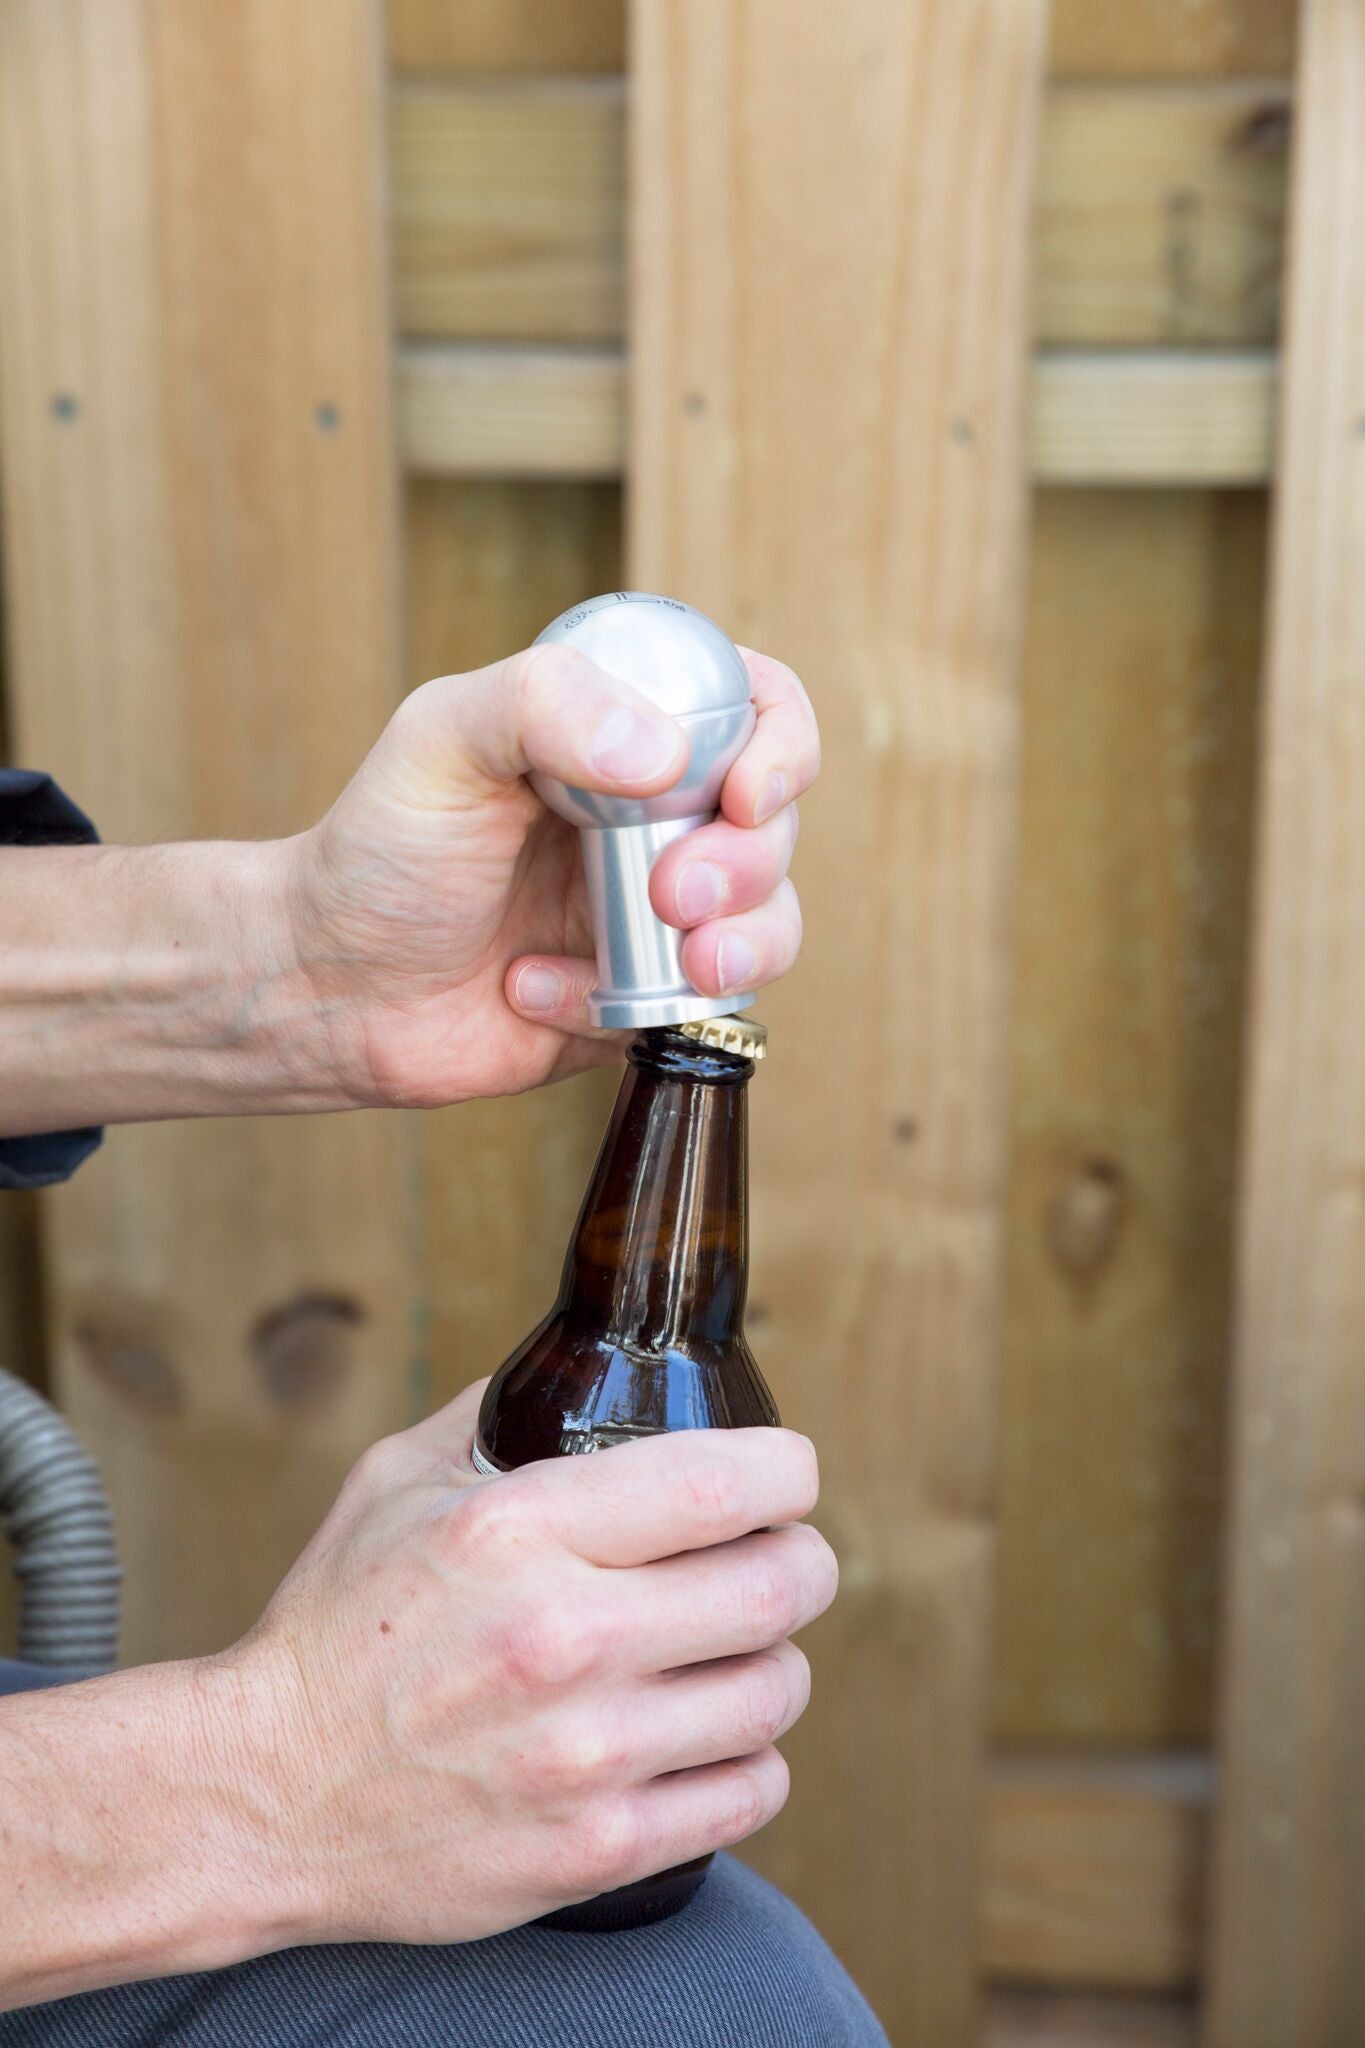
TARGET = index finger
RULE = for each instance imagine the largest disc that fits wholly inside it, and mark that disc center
(660, 1495)
(783, 757)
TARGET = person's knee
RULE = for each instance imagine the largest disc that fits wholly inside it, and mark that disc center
(739, 1965)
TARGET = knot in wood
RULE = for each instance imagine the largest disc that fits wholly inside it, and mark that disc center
(1086, 1216)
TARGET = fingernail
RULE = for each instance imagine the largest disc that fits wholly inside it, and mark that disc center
(539, 988)
(700, 891)
(736, 962)
(628, 748)
(771, 797)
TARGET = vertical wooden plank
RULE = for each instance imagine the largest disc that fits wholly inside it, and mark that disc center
(1289, 1905)
(1140, 691)
(830, 252)
(200, 539)
(488, 564)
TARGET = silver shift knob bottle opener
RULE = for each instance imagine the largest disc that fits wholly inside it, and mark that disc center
(683, 662)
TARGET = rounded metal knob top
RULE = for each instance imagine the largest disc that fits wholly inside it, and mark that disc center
(679, 659)
(667, 650)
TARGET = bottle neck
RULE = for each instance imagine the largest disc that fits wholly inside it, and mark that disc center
(660, 1254)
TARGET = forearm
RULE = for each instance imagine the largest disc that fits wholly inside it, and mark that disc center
(142, 982)
(138, 1839)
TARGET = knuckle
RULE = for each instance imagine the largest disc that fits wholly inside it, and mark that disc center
(828, 1573)
(539, 676)
(607, 1843)
(821, 1569)
(791, 910)
(771, 1600)
(576, 1760)
(799, 1683)
(713, 1486)
(774, 1785)
(490, 1522)
(808, 1471)
(379, 1466)
(752, 1797)
(547, 1646)
(765, 1703)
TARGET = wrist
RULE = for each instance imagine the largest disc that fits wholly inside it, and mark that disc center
(246, 1743)
(148, 982)
(189, 1874)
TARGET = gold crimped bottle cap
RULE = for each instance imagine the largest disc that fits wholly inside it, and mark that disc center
(744, 1036)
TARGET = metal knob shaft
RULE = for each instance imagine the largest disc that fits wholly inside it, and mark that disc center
(683, 662)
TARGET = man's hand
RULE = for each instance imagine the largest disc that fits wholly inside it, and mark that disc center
(427, 941)
(481, 1699)
(440, 910)
(471, 1701)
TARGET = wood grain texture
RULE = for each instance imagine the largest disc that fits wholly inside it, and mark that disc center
(507, 35)
(1140, 706)
(465, 409)
(1289, 1912)
(489, 564)
(509, 201)
(1147, 39)
(849, 493)
(1104, 416)
(1160, 211)
(202, 575)
(1041, 2019)
(1095, 1871)
(1119, 416)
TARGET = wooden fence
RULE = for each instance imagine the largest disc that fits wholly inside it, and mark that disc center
(1068, 1290)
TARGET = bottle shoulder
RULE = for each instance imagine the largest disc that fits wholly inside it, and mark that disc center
(569, 1388)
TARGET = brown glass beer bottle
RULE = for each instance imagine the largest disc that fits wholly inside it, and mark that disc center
(647, 1333)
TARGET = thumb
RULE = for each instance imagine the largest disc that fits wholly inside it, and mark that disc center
(548, 708)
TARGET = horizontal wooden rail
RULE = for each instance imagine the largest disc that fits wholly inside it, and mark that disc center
(1161, 211)
(1097, 416)
(1137, 416)
(1095, 1872)
(1064, 2020)
(469, 410)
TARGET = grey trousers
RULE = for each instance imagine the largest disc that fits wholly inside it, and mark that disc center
(738, 1968)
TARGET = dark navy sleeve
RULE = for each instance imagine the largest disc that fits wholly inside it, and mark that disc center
(34, 812)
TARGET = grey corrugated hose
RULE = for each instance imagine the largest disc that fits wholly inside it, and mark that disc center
(53, 1507)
